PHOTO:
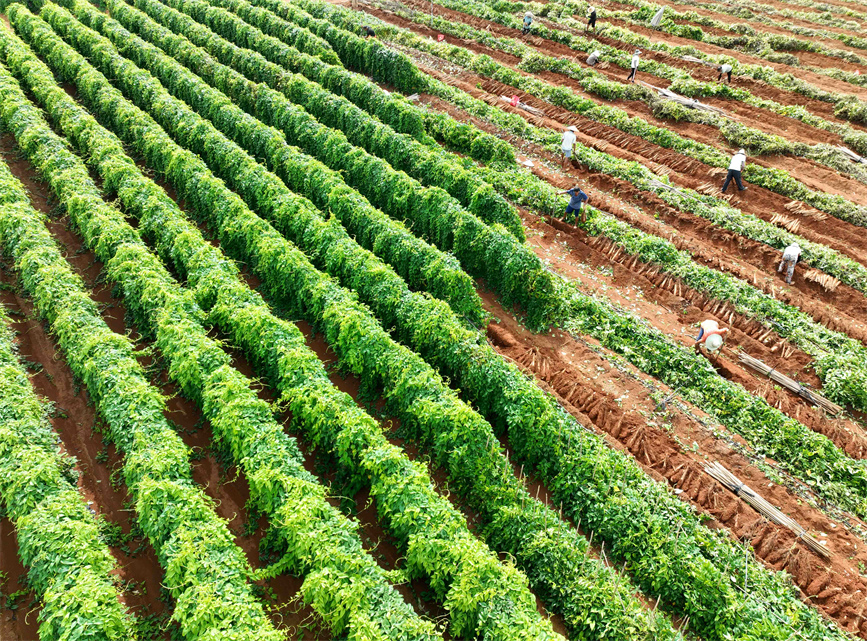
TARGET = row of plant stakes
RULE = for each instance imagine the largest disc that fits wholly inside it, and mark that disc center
(127, 37)
(736, 554)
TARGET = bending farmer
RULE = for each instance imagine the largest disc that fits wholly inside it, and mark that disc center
(577, 199)
(736, 166)
(710, 335)
(790, 257)
(725, 69)
(593, 58)
(567, 143)
(634, 65)
(528, 20)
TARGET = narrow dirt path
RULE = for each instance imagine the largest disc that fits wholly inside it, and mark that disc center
(843, 309)
(672, 446)
(687, 172)
(830, 84)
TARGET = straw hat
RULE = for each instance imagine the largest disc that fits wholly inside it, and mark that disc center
(714, 342)
(572, 128)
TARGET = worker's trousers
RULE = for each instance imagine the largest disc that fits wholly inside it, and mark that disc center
(632, 74)
(735, 175)
(729, 74)
(790, 271)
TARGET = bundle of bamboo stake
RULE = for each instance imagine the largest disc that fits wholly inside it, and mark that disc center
(733, 483)
(790, 384)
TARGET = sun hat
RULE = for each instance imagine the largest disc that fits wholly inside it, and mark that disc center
(714, 342)
(637, 51)
(572, 128)
(741, 151)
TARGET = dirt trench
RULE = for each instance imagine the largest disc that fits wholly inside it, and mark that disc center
(830, 84)
(816, 226)
(690, 307)
(842, 310)
(621, 409)
(761, 119)
(676, 310)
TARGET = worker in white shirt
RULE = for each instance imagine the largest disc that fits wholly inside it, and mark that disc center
(791, 254)
(710, 335)
(736, 166)
(594, 58)
(567, 143)
(635, 58)
(528, 20)
(725, 69)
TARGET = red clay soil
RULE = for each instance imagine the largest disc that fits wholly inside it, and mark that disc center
(767, 28)
(696, 70)
(19, 609)
(842, 310)
(140, 570)
(562, 246)
(758, 87)
(620, 408)
(75, 418)
(384, 548)
(686, 172)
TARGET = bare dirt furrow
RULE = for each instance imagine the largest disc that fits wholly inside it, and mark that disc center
(687, 172)
(832, 84)
(101, 465)
(621, 408)
(696, 70)
(843, 309)
(675, 309)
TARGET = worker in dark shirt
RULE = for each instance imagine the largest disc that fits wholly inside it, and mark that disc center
(368, 32)
(577, 198)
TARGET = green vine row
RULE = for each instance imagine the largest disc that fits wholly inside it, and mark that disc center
(708, 207)
(193, 545)
(437, 324)
(483, 595)
(59, 541)
(432, 166)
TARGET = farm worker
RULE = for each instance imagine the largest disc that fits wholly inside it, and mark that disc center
(594, 58)
(568, 142)
(591, 19)
(791, 254)
(528, 20)
(368, 32)
(635, 58)
(725, 69)
(710, 335)
(736, 166)
(577, 199)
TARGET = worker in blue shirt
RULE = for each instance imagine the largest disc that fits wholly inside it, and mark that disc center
(577, 199)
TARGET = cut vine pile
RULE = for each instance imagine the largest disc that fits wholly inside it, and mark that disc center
(297, 342)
